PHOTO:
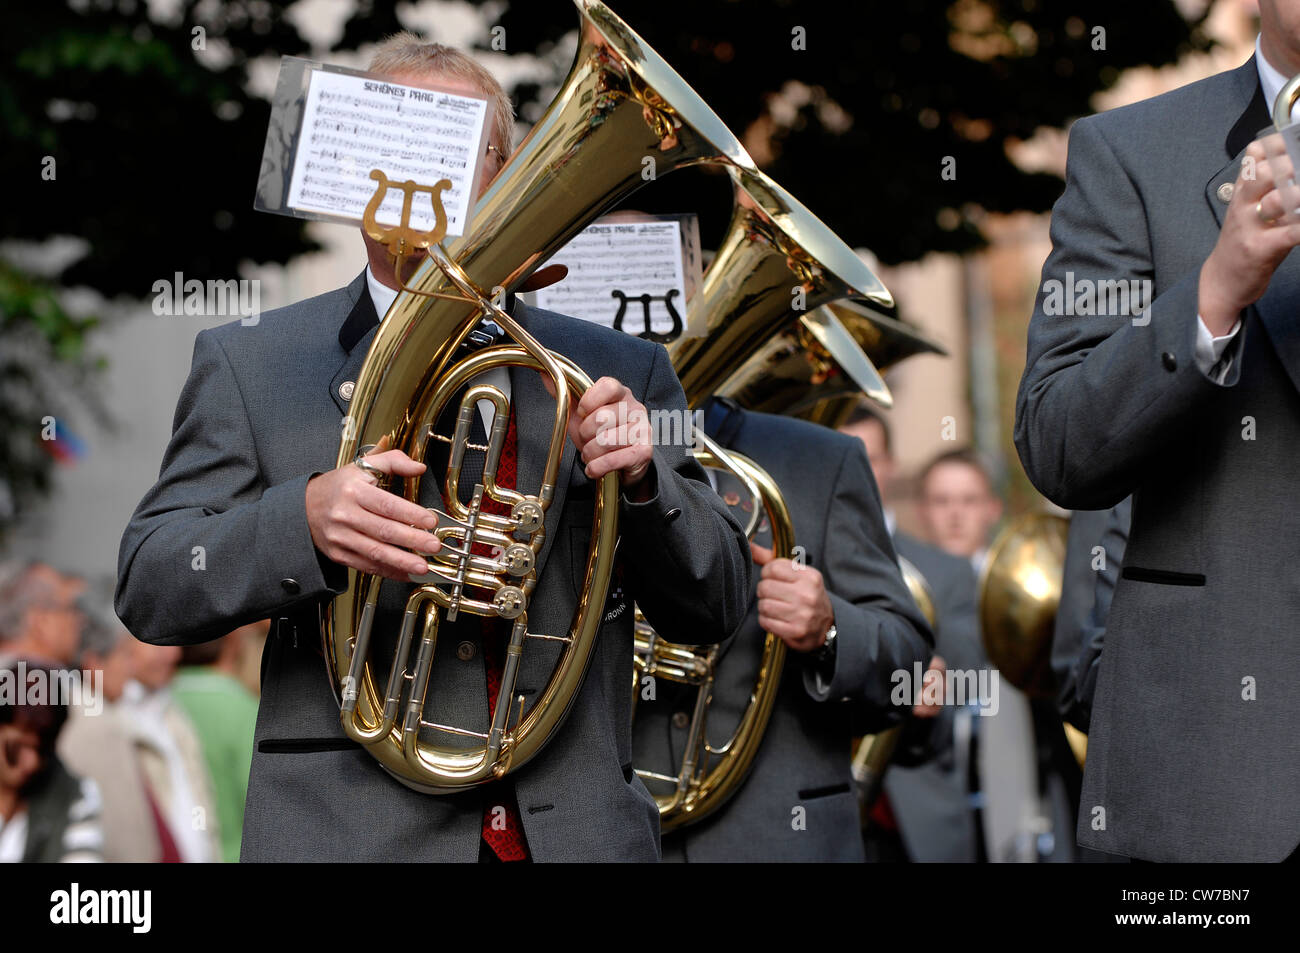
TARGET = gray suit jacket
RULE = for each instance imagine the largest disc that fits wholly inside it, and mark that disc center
(259, 415)
(929, 796)
(1192, 750)
(804, 758)
(1086, 594)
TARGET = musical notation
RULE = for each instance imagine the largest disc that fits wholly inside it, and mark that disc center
(352, 124)
(610, 264)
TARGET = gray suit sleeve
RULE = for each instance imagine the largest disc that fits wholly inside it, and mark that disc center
(1102, 395)
(210, 547)
(879, 629)
(687, 559)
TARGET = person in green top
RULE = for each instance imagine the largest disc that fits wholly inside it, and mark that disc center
(224, 713)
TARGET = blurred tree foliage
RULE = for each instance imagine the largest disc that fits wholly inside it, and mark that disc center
(156, 150)
(138, 137)
(878, 96)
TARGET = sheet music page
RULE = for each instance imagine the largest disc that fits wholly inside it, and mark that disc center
(616, 271)
(352, 124)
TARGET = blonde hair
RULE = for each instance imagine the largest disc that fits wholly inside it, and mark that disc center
(407, 53)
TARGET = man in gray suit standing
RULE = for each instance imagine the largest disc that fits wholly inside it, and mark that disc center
(249, 519)
(1187, 399)
(848, 623)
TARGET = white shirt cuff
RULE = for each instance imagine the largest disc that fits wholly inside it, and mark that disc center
(1209, 349)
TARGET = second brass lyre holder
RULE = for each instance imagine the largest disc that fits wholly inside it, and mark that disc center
(401, 239)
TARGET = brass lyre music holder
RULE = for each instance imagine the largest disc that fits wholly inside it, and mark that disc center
(402, 239)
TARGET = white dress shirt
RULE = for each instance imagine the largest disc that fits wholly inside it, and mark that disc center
(383, 297)
(1209, 349)
(1269, 78)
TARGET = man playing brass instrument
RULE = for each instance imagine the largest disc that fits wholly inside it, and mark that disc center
(249, 519)
(848, 622)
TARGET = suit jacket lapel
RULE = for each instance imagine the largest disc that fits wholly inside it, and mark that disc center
(1276, 309)
(355, 335)
(1243, 132)
(534, 415)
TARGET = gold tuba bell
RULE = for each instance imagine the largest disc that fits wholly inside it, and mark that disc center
(776, 262)
(796, 372)
(620, 102)
(1019, 593)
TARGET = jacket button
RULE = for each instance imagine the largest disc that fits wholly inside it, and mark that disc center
(1225, 192)
(346, 389)
(1169, 361)
(672, 514)
(681, 720)
(465, 651)
(290, 586)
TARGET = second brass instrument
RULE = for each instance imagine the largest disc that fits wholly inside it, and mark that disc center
(1019, 593)
(775, 253)
(710, 774)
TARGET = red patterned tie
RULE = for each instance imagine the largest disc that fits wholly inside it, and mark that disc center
(507, 841)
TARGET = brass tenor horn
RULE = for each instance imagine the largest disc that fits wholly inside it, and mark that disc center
(709, 774)
(1285, 101)
(620, 103)
(777, 259)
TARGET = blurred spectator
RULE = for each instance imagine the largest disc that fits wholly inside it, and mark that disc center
(170, 754)
(98, 741)
(959, 506)
(224, 714)
(1026, 813)
(47, 814)
(38, 615)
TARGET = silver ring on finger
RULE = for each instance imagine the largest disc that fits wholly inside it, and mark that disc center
(366, 466)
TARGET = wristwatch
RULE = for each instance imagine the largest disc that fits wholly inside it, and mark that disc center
(826, 651)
